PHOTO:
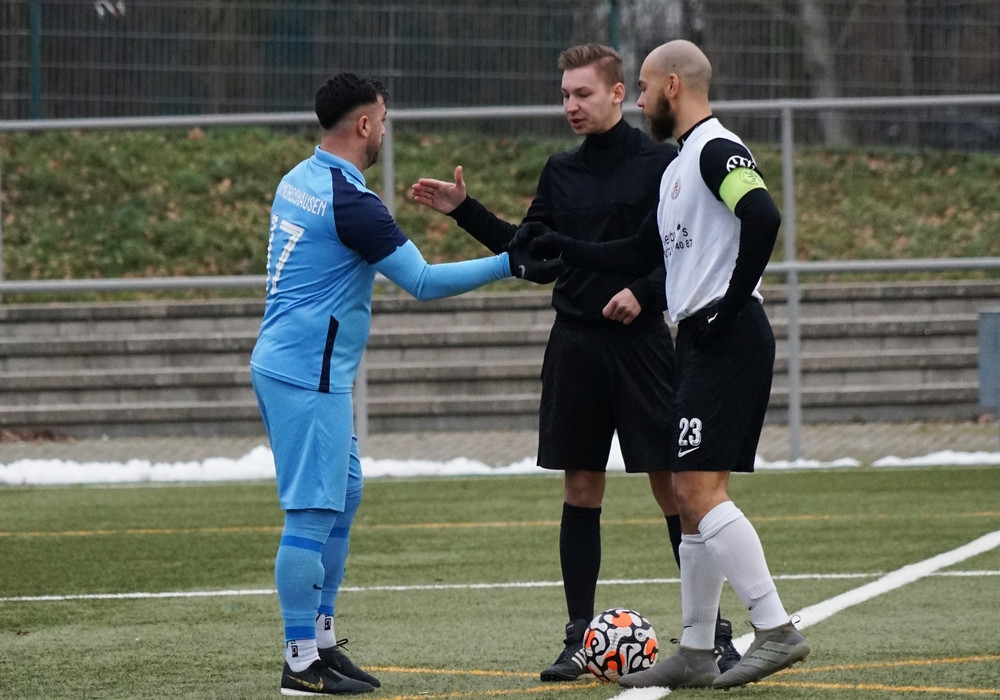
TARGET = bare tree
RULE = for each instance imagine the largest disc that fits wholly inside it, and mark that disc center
(821, 65)
(644, 25)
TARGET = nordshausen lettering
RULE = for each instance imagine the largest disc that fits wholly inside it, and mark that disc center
(303, 200)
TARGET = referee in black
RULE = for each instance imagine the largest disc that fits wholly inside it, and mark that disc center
(609, 362)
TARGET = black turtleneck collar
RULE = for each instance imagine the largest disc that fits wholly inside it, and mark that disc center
(612, 138)
(601, 152)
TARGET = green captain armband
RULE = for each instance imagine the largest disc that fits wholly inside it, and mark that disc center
(737, 183)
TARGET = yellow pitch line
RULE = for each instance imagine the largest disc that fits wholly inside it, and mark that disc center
(882, 687)
(817, 685)
(891, 664)
(552, 687)
(452, 672)
(145, 531)
(547, 688)
(463, 525)
(770, 682)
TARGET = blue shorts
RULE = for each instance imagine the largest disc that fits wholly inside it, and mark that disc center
(312, 438)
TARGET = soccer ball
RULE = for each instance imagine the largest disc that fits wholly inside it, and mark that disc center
(618, 642)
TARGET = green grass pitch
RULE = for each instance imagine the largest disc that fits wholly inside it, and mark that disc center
(452, 588)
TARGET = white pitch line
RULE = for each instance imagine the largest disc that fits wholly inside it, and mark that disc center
(138, 595)
(908, 574)
(141, 595)
(900, 577)
(654, 693)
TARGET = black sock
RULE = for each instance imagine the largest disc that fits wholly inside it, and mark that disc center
(580, 558)
(674, 530)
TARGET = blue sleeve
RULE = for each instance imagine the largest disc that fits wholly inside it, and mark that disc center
(406, 267)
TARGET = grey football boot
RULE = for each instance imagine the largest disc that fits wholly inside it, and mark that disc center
(687, 668)
(771, 651)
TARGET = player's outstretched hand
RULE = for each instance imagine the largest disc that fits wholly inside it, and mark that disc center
(525, 262)
(440, 195)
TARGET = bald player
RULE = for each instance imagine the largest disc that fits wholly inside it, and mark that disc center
(715, 226)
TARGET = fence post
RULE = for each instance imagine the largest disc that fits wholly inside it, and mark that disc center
(361, 407)
(1, 209)
(388, 167)
(361, 379)
(791, 286)
(35, 41)
(614, 21)
(989, 360)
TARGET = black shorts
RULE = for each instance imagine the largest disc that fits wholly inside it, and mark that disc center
(599, 380)
(722, 395)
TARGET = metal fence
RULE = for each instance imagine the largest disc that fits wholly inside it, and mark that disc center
(111, 58)
(782, 112)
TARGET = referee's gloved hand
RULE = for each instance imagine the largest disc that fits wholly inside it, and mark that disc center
(525, 263)
(549, 244)
(711, 324)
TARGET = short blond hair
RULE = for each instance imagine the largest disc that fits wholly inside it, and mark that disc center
(606, 61)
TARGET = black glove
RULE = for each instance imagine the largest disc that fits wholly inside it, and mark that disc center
(525, 263)
(710, 324)
(525, 234)
(549, 245)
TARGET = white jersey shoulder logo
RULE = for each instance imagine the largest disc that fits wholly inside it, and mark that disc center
(739, 162)
(676, 189)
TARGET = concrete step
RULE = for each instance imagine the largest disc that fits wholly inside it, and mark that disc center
(198, 418)
(883, 368)
(129, 351)
(859, 300)
(919, 330)
(498, 310)
(902, 327)
(116, 320)
(428, 379)
(869, 352)
(953, 402)
(467, 412)
(125, 386)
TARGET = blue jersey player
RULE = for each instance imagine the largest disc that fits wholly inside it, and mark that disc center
(329, 236)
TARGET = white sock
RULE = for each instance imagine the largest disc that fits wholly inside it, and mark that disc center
(701, 587)
(734, 544)
(300, 653)
(326, 637)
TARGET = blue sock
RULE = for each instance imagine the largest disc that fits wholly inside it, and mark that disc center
(334, 562)
(298, 570)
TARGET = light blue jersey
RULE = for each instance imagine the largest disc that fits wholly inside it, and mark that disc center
(329, 236)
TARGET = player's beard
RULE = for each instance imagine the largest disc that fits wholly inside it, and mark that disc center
(663, 120)
(372, 150)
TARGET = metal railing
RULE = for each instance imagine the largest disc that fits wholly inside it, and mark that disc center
(790, 268)
(61, 57)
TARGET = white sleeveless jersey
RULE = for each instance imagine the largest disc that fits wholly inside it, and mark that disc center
(700, 235)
